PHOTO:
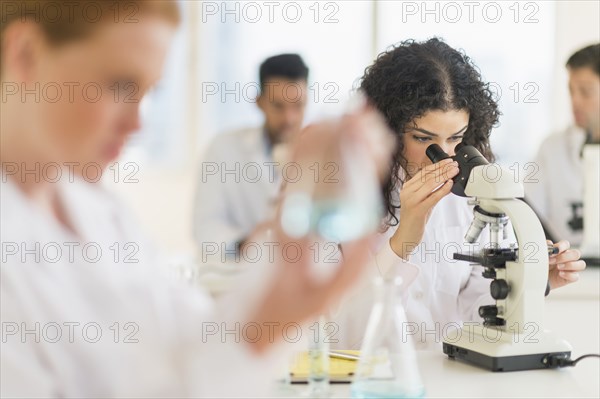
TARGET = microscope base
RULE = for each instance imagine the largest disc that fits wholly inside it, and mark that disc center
(522, 352)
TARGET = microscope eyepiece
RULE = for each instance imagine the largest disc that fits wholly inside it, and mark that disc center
(467, 157)
(435, 153)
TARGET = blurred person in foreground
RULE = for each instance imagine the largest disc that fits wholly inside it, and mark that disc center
(91, 323)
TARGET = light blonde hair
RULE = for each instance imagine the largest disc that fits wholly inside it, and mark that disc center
(66, 20)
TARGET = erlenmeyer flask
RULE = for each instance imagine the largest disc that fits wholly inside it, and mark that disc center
(387, 367)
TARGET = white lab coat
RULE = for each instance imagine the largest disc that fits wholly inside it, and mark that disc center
(172, 357)
(558, 183)
(438, 292)
(232, 201)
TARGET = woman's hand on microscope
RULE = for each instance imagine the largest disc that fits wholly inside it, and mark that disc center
(418, 196)
(565, 265)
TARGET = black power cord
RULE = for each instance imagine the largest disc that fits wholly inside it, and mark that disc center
(562, 360)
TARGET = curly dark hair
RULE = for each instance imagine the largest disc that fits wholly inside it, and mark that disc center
(412, 78)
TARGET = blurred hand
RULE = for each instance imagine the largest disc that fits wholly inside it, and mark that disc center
(295, 294)
(418, 196)
(564, 266)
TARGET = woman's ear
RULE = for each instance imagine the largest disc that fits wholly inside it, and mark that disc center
(21, 48)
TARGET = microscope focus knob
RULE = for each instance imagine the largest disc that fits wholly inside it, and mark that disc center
(488, 311)
(499, 289)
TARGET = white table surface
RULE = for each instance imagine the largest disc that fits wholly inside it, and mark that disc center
(573, 313)
(446, 378)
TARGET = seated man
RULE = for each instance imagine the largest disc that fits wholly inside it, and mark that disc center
(241, 173)
(557, 193)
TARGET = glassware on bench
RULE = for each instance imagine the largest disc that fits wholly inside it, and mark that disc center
(318, 359)
(387, 367)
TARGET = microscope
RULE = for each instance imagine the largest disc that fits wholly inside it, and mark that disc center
(590, 246)
(512, 335)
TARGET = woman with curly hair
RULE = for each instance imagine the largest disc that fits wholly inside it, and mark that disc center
(430, 93)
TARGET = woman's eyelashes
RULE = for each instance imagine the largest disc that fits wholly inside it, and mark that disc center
(427, 139)
(421, 139)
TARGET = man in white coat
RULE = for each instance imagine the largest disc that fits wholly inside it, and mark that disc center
(557, 193)
(241, 172)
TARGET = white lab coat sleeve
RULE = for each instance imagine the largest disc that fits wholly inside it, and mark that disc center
(388, 263)
(22, 373)
(229, 369)
(213, 220)
(18, 368)
(218, 359)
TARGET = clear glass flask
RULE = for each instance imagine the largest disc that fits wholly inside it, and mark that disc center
(337, 195)
(345, 207)
(387, 367)
(318, 358)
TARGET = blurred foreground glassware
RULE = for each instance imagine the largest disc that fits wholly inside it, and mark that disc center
(337, 193)
(387, 367)
(318, 359)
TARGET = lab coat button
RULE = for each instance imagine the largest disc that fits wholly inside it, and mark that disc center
(418, 295)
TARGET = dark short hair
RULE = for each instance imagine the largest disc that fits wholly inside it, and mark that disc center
(587, 57)
(289, 66)
(412, 78)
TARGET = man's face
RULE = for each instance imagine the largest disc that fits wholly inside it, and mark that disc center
(283, 103)
(584, 87)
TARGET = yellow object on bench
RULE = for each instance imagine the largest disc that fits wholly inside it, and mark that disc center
(340, 370)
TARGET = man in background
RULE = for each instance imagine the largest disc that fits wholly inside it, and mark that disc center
(557, 196)
(242, 171)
